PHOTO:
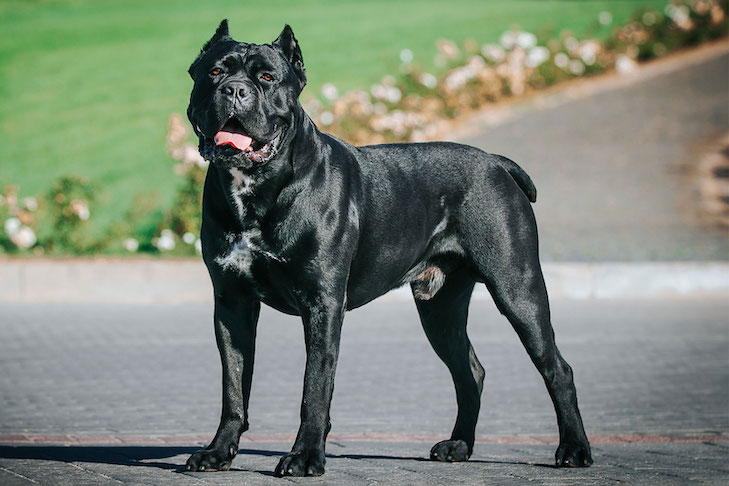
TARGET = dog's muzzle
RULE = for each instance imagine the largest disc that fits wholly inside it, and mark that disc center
(233, 139)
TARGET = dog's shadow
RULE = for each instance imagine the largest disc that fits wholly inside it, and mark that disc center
(147, 456)
(155, 456)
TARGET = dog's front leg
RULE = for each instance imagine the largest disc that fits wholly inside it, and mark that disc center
(236, 317)
(322, 330)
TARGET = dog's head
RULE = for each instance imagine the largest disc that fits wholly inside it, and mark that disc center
(242, 105)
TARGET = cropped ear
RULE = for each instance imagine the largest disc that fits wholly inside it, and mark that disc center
(289, 47)
(221, 34)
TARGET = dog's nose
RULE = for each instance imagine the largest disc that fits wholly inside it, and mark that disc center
(235, 90)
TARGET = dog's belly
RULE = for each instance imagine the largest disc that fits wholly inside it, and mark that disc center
(423, 262)
(276, 279)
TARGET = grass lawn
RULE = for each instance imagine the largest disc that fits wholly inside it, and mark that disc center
(87, 86)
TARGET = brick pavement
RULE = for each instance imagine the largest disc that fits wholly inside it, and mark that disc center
(646, 371)
(354, 463)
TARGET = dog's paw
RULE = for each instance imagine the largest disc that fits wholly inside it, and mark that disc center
(308, 463)
(450, 451)
(573, 455)
(212, 459)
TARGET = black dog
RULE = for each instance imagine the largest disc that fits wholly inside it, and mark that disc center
(313, 226)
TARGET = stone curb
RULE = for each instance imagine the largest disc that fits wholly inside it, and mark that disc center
(121, 281)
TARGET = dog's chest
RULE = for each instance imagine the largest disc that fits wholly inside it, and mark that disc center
(242, 251)
(243, 248)
(241, 190)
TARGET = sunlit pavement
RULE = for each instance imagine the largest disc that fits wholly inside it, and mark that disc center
(135, 389)
(615, 169)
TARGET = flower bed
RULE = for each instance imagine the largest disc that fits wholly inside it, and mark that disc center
(415, 104)
(412, 105)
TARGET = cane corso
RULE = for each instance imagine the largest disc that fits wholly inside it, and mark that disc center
(313, 227)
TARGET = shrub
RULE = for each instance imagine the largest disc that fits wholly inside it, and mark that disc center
(413, 105)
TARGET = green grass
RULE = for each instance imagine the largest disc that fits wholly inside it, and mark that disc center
(87, 86)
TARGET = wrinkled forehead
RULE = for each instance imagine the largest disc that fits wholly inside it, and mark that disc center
(234, 55)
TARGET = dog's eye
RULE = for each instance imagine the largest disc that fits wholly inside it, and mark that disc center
(268, 77)
(215, 71)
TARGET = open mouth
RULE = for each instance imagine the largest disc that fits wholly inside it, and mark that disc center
(232, 135)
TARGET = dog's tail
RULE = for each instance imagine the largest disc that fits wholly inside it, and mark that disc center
(520, 176)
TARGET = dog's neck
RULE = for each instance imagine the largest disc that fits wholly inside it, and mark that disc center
(242, 198)
(250, 194)
(311, 146)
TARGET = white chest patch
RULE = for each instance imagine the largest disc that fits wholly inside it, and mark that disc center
(241, 185)
(244, 248)
(240, 257)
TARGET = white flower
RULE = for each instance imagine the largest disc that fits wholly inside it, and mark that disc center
(81, 208)
(508, 40)
(364, 105)
(680, 15)
(576, 67)
(561, 60)
(329, 91)
(605, 18)
(428, 80)
(677, 12)
(130, 244)
(406, 55)
(24, 237)
(625, 65)
(191, 155)
(588, 52)
(188, 238)
(393, 95)
(457, 78)
(326, 118)
(475, 63)
(12, 226)
(537, 56)
(379, 91)
(30, 203)
(448, 48)
(166, 240)
(198, 245)
(526, 40)
(571, 43)
(493, 52)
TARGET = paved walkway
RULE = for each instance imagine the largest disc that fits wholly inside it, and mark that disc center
(615, 170)
(135, 389)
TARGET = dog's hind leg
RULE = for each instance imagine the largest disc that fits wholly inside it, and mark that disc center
(522, 298)
(443, 317)
(506, 256)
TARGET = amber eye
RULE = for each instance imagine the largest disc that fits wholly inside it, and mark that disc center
(215, 71)
(268, 77)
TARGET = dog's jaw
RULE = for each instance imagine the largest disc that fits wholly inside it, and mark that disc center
(225, 154)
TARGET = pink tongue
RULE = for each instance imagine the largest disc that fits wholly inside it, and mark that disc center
(237, 140)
